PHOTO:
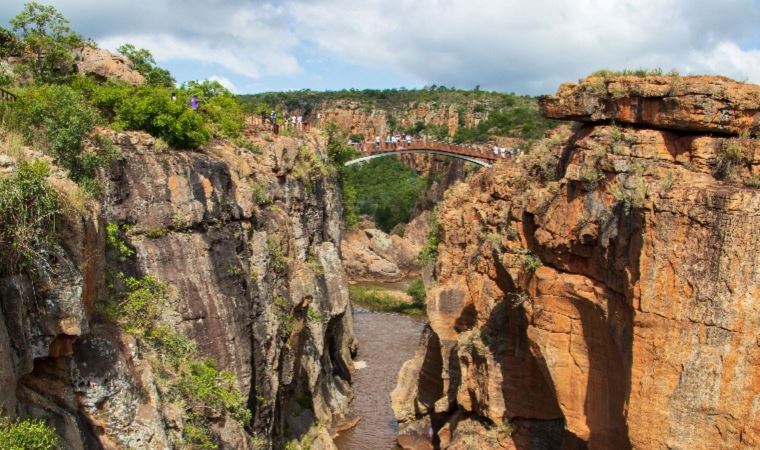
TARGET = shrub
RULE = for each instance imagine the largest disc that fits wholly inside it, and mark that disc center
(140, 304)
(310, 168)
(531, 262)
(429, 252)
(221, 110)
(630, 198)
(730, 157)
(114, 240)
(278, 260)
(416, 290)
(151, 109)
(27, 434)
(28, 212)
(314, 315)
(59, 118)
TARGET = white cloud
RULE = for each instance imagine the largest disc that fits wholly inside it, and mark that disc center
(529, 46)
(502, 44)
(224, 81)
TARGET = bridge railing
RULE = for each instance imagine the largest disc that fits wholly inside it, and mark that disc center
(475, 151)
(7, 96)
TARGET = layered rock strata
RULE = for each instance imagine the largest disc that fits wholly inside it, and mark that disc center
(602, 291)
(249, 253)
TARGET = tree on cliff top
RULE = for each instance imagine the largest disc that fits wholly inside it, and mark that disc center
(47, 42)
(143, 61)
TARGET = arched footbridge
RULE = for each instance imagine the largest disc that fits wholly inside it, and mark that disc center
(476, 154)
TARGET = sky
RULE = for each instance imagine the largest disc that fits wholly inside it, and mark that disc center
(523, 46)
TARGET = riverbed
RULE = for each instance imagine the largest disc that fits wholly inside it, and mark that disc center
(386, 341)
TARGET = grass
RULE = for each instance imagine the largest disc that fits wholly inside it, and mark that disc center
(378, 299)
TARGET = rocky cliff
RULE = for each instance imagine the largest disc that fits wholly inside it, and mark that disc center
(245, 245)
(602, 291)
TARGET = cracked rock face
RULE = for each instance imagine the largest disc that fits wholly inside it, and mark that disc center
(249, 254)
(615, 307)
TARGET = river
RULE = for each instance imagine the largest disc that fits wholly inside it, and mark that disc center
(386, 341)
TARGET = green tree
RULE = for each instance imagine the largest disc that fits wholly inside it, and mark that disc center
(221, 110)
(9, 44)
(143, 61)
(46, 36)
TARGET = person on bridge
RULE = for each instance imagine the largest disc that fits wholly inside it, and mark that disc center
(408, 139)
(377, 142)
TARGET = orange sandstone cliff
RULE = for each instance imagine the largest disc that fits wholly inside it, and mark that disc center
(602, 291)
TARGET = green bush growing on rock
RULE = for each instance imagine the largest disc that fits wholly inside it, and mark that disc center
(114, 240)
(151, 109)
(729, 159)
(59, 118)
(29, 209)
(221, 110)
(27, 434)
(531, 262)
(429, 252)
(416, 290)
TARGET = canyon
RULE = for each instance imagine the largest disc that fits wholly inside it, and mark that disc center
(597, 291)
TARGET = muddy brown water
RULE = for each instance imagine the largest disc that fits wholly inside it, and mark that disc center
(386, 341)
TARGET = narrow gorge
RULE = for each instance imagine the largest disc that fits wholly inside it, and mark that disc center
(186, 267)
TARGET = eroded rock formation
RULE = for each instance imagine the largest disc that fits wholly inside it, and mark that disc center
(603, 290)
(249, 253)
(105, 65)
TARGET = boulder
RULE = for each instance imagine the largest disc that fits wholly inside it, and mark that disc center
(106, 65)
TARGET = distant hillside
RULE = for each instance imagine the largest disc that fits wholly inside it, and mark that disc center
(462, 115)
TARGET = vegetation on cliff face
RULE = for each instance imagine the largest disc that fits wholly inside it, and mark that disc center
(27, 434)
(28, 214)
(193, 384)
